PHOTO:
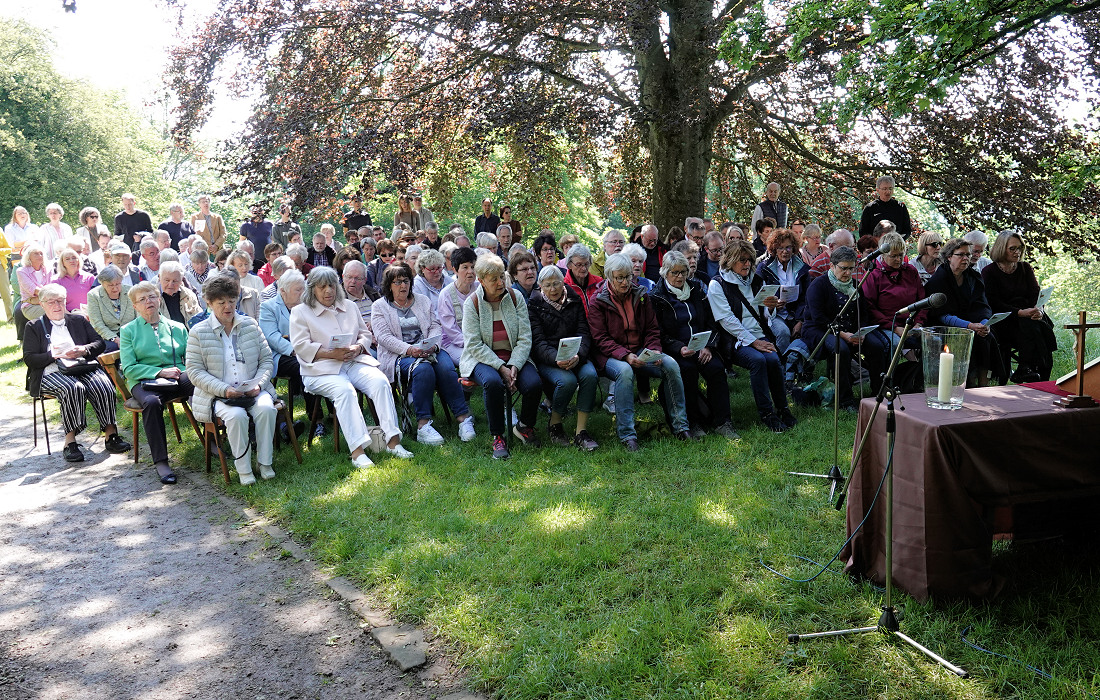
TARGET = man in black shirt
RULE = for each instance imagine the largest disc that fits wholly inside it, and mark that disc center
(487, 221)
(356, 218)
(131, 220)
(885, 207)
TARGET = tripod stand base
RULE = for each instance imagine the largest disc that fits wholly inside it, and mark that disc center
(888, 625)
(835, 475)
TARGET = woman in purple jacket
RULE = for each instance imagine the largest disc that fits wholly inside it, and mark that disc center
(893, 285)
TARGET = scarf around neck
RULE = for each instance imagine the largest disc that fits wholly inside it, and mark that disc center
(848, 289)
(682, 294)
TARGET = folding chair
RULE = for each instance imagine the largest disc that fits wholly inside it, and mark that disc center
(214, 430)
(35, 400)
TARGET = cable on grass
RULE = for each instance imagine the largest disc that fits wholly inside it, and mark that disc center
(1037, 671)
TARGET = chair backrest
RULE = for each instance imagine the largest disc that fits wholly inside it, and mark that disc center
(109, 362)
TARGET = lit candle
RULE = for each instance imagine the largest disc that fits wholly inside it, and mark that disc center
(947, 368)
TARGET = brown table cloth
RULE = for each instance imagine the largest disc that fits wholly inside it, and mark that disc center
(1006, 447)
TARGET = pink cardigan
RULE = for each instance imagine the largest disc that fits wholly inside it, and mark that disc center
(312, 328)
(387, 329)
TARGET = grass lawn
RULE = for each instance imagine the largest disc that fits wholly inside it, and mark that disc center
(617, 575)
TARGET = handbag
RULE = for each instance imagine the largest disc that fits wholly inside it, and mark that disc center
(239, 401)
(77, 367)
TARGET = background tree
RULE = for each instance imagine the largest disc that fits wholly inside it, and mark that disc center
(653, 98)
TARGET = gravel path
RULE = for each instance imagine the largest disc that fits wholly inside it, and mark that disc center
(114, 586)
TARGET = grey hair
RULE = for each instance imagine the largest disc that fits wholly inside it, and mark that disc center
(109, 273)
(672, 259)
(50, 292)
(353, 264)
(619, 262)
(488, 265)
(31, 248)
(54, 206)
(429, 258)
(200, 244)
(549, 272)
(579, 250)
(884, 179)
(431, 226)
(419, 249)
(892, 243)
(140, 288)
(322, 276)
(976, 237)
(247, 246)
(516, 248)
(687, 246)
(811, 228)
(168, 255)
(171, 267)
(838, 234)
(504, 227)
(291, 276)
(199, 256)
(147, 244)
(487, 240)
(297, 251)
(161, 232)
(613, 231)
(239, 255)
(633, 250)
(281, 264)
(843, 254)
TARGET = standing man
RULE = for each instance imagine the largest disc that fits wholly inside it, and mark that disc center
(356, 218)
(770, 208)
(654, 252)
(885, 207)
(426, 215)
(487, 220)
(213, 227)
(177, 228)
(258, 231)
(281, 230)
(131, 220)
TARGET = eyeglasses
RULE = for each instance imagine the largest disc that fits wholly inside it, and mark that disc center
(785, 249)
(93, 216)
(621, 278)
(677, 273)
(960, 255)
(1015, 248)
(54, 302)
(402, 280)
(936, 244)
(845, 268)
(523, 269)
(434, 268)
(148, 298)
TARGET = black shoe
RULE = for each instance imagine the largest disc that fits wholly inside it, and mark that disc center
(557, 435)
(1024, 374)
(299, 428)
(685, 436)
(319, 431)
(284, 435)
(773, 423)
(785, 415)
(526, 435)
(73, 453)
(631, 445)
(500, 447)
(584, 441)
(167, 476)
(116, 445)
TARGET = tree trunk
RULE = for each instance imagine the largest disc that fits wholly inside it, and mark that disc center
(680, 161)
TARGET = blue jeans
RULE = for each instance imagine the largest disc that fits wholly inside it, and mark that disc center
(492, 386)
(765, 377)
(622, 376)
(566, 382)
(429, 377)
(876, 357)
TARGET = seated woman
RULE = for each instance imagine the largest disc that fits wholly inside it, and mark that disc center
(177, 302)
(153, 350)
(824, 299)
(401, 323)
(334, 370)
(497, 346)
(578, 261)
(73, 278)
(343, 257)
(275, 324)
(892, 285)
(271, 251)
(108, 308)
(1010, 285)
(452, 299)
(682, 311)
(522, 272)
(431, 276)
(230, 365)
(751, 342)
(545, 250)
(67, 337)
(387, 252)
(33, 275)
(783, 266)
(556, 312)
(638, 256)
(623, 324)
(966, 307)
(928, 259)
(241, 261)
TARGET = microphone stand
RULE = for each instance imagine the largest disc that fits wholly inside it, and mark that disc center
(888, 621)
(834, 475)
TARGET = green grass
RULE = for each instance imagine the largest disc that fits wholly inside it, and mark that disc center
(617, 575)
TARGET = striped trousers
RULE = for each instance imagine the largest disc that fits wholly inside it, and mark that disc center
(74, 392)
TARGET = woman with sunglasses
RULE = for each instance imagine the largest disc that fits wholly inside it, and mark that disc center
(928, 255)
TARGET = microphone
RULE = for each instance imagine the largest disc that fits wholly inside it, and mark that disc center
(935, 301)
(873, 254)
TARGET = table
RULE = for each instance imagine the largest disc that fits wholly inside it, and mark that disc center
(1007, 446)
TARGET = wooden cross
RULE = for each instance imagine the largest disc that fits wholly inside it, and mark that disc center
(1080, 399)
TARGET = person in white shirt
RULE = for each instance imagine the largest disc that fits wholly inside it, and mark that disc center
(55, 233)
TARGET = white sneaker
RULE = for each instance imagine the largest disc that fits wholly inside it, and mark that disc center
(466, 429)
(400, 452)
(247, 478)
(609, 403)
(427, 435)
(362, 462)
(266, 471)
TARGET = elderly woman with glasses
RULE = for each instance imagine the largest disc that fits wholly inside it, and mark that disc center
(626, 341)
(523, 272)
(928, 257)
(966, 307)
(783, 266)
(177, 302)
(275, 324)
(33, 275)
(824, 299)
(431, 276)
(893, 284)
(978, 243)
(108, 308)
(58, 338)
(230, 365)
(750, 341)
(683, 311)
(332, 344)
(557, 312)
(1010, 285)
(497, 333)
(638, 257)
(153, 350)
(402, 324)
(579, 276)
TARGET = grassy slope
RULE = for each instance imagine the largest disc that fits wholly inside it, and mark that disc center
(625, 576)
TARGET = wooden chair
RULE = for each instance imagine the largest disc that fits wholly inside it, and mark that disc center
(315, 418)
(109, 362)
(214, 430)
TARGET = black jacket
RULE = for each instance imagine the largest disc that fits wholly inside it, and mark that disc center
(967, 302)
(548, 326)
(675, 334)
(36, 349)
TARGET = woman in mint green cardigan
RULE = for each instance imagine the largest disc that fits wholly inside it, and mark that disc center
(153, 350)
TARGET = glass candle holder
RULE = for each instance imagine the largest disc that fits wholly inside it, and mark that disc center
(946, 360)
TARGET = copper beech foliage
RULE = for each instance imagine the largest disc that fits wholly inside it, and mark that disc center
(654, 100)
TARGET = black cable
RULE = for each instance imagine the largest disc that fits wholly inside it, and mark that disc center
(1033, 669)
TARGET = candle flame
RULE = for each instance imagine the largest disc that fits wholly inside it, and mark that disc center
(945, 349)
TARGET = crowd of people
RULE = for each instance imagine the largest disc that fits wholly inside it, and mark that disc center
(402, 314)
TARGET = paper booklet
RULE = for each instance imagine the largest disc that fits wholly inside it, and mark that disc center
(649, 356)
(1044, 297)
(698, 341)
(567, 348)
(788, 293)
(862, 332)
(768, 290)
(997, 318)
(434, 341)
(341, 340)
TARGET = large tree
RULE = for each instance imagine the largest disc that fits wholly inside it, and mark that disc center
(654, 97)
